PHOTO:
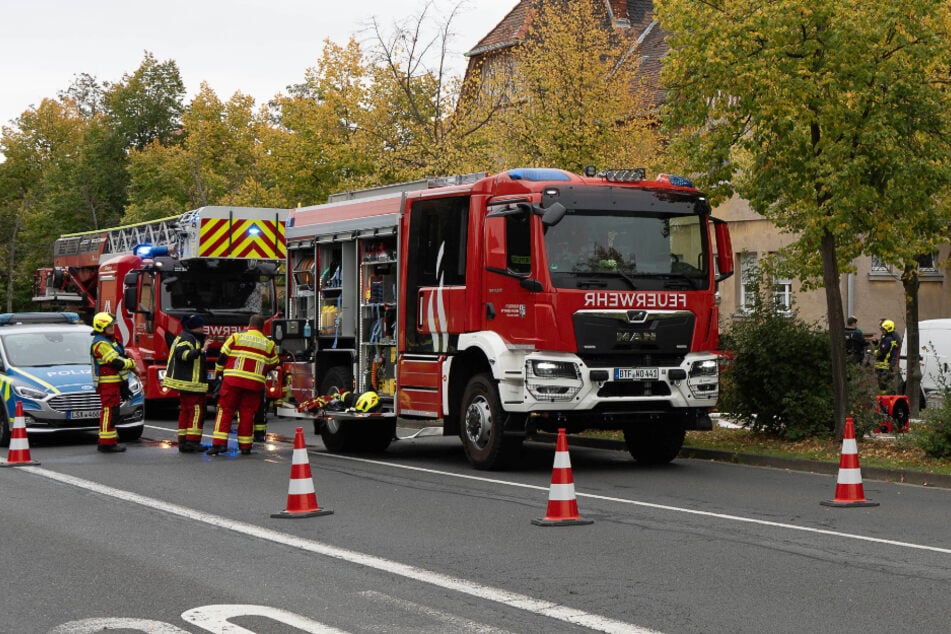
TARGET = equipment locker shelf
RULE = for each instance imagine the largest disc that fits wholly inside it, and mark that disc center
(378, 309)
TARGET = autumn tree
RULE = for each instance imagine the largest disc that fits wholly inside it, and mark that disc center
(45, 139)
(830, 117)
(310, 147)
(148, 103)
(578, 96)
(415, 121)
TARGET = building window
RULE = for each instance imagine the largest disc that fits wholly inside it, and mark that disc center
(927, 266)
(747, 282)
(779, 289)
(782, 295)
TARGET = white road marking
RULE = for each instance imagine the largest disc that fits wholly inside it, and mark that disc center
(652, 505)
(445, 622)
(93, 626)
(464, 586)
(214, 619)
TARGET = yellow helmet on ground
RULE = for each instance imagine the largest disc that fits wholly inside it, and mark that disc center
(102, 321)
(367, 402)
(888, 325)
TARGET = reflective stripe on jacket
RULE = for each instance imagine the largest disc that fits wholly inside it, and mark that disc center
(245, 359)
(187, 369)
(887, 354)
(109, 363)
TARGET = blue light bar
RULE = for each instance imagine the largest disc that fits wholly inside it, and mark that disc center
(147, 250)
(536, 174)
(9, 319)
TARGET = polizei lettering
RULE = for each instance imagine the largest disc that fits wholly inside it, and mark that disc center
(635, 300)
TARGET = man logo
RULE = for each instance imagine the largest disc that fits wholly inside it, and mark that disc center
(626, 336)
(637, 316)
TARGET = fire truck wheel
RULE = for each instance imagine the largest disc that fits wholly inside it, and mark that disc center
(655, 442)
(338, 436)
(481, 419)
(4, 430)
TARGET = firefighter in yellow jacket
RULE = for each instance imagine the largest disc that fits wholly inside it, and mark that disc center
(243, 363)
(110, 375)
(187, 372)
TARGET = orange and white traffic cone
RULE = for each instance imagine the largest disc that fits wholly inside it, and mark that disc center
(301, 498)
(19, 454)
(562, 505)
(848, 488)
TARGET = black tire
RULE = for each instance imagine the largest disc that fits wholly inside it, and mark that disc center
(376, 436)
(338, 437)
(655, 442)
(481, 422)
(128, 434)
(4, 430)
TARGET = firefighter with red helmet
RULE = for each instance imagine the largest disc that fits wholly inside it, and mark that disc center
(243, 364)
(187, 372)
(110, 375)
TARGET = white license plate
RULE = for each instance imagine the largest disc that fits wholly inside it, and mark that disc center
(82, 414)
(636, 374)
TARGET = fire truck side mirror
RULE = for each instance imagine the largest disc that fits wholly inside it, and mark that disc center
(553, 214)
(724, 249)
(130, 299)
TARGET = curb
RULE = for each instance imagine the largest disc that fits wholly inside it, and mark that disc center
(883, 474)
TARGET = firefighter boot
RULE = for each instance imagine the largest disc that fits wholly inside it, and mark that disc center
(111, 448)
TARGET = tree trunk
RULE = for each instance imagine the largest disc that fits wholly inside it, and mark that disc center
(909, 280)
(830, 278)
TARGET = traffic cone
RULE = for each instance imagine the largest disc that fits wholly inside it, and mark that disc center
(848, 488)
(562, 505)
(301, 498)
(19, 454)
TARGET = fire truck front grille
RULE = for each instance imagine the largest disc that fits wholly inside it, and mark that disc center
(75, 401)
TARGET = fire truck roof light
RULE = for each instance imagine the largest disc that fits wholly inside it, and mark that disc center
(146, 250)
(624, 175)
(537, 174)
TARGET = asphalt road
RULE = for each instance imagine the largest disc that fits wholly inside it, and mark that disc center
(157, 541)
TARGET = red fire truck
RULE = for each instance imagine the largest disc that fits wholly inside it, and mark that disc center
(220, 262)
(495, 306)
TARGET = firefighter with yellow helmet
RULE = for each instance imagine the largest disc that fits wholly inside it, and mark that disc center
(110, 375)
(886, 358)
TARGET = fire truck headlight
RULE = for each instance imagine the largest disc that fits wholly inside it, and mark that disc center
(703, 378)
(553, 380)
(704, 368)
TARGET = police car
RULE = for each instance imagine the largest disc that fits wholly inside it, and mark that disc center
(45, 364)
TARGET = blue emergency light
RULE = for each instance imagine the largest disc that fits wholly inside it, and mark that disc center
(147, 250)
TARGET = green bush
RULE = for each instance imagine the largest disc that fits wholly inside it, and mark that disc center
(779, 381)
(934, 437)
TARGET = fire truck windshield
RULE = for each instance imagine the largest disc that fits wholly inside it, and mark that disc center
(592, 248)
(217, 290)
